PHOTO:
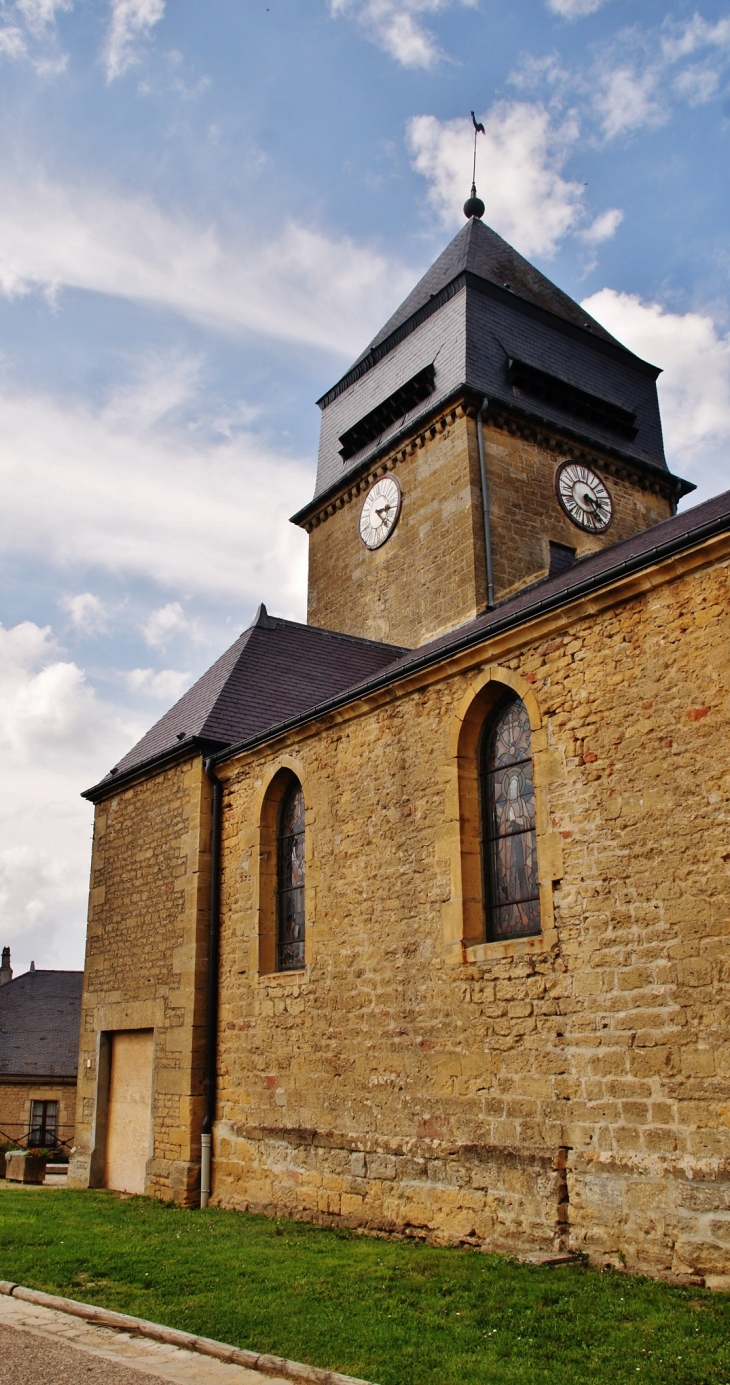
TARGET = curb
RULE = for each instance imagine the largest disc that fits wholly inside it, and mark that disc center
(205, 1346)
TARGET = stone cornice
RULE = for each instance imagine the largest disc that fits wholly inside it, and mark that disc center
(517, 423)
(503, 644)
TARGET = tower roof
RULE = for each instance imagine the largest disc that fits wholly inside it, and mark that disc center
(484, 321)
(478, 250)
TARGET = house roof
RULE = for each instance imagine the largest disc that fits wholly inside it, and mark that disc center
(40, 1014)
(275, 670)
(591, 573)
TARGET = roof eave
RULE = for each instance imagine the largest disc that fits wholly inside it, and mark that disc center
(459, 644)
(188, 749)
(40, 1079)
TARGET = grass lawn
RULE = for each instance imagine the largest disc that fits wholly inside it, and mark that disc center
(392, 1312)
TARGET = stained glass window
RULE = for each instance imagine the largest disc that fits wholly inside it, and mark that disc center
(508, 818)
(290, 893)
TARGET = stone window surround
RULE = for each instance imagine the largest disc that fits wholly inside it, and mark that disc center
(271, 794)
(460, 839)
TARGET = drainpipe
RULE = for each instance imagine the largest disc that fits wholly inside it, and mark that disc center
(485, 504)
(211, 1036)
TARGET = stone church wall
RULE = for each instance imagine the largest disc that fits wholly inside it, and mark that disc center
(571, 1090)
(146, 969)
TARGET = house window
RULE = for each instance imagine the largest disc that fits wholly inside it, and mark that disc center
(509, 844)
(290, 881)
(43, 1124)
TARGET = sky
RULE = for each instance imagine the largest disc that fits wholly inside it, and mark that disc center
(207, 209)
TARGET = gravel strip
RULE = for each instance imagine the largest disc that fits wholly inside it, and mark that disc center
(29, 1359)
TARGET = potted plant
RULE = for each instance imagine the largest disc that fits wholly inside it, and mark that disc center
(26, 1165)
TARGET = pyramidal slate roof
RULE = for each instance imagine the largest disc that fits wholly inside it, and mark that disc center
(40, 1014)
(485, 322)
(275, 670)
(479, 250)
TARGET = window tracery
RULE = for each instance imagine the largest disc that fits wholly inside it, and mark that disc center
(509, 839)
(290, 881)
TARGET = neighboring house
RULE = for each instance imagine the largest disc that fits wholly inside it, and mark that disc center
(464, 971)
(39, 1041)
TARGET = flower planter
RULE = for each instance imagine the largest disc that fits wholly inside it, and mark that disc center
(22, 1167)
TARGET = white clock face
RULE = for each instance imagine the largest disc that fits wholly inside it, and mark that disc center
(380, 511)
(584, 497)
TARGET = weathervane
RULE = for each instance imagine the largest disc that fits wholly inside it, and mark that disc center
(474, 207)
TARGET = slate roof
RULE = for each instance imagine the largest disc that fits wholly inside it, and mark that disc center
(279, 673)
(480, 305)
(586, 575)
(480, 250)
(40, 1014)
(275, 670)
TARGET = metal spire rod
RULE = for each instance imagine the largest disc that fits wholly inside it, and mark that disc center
(478, 129)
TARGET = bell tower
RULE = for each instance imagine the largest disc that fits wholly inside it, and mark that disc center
(491, 434)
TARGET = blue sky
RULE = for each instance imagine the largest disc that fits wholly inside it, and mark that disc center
(206, 211)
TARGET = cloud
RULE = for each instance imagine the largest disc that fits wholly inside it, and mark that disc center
(626, 100)
(694, 390)
(136, 488)
(12, 43)
(169, 684)
(31, 34)
(55, 733)
(634, 81)
(394, 25)
(162, 624)
(299, 285)
(603, 228)
(528, 200)
(682, 40)
(88, 614)
(39, 15)
(574, 9)
(131, 21)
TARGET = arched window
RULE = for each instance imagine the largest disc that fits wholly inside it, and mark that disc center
(509, 846)
(290, 881)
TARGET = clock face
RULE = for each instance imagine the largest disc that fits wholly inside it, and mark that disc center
(584, 497)
(379, 514)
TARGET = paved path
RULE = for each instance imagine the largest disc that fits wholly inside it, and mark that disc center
(39, 1346)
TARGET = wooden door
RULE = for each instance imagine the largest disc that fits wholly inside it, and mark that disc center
(129, 1117)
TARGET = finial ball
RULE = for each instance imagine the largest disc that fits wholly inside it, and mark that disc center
(473, 207)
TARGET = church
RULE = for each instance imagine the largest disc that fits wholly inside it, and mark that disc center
(415, 918)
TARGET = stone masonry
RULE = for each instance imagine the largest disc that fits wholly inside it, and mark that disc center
(146, 957)
(430, 576)
(15, 1108)
(570, 1090)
